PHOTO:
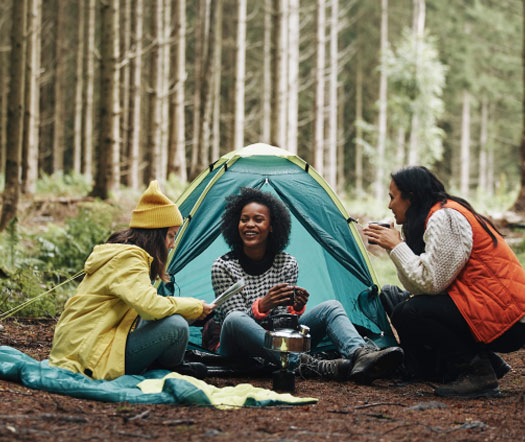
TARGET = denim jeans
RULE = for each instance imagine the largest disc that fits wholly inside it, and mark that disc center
(242, 336)
(162, 341)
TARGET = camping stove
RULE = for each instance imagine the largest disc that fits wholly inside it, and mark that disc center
(286, 341)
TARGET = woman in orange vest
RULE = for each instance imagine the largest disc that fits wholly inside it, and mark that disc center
(465, 288)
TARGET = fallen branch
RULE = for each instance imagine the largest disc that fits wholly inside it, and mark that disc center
(140, 415)
(178, 422)
(378, 404)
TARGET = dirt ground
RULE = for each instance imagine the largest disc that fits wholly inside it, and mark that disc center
(345, 412)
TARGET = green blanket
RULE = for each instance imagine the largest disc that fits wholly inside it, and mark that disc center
(18, 367)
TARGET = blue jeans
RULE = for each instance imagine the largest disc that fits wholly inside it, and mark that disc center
(162, 341)
(242, 336)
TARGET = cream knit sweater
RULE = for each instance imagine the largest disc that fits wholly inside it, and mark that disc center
(448, 244)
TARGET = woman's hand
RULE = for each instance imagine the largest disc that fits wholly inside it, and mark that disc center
(279, 294)
(385, 237)
(301, 298)
(206, 310)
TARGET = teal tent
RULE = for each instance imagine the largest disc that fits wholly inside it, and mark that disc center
(333, 262)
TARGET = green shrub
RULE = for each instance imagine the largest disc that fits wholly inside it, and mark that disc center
(64, 249)
(58, 184)
(21, 277)
(35, 263)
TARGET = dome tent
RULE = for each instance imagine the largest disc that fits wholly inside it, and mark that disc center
(333, 262)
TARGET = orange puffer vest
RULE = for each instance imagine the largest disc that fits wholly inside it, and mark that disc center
(490, 289)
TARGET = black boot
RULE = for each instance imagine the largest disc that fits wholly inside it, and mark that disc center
(334, 369)
(501, 368)
(371, 363)
(479, 380)
(195, 369)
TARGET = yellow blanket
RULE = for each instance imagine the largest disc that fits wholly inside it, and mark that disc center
(227, 397)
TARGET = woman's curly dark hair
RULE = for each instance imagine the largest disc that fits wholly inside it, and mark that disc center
(279, 219)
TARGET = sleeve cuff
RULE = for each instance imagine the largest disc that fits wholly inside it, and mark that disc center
(401, 253)
(257, 314)
(295, 312)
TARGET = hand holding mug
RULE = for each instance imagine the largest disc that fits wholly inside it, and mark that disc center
(383, 235)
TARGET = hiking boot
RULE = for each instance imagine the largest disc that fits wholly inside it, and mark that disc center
(334, 369)
(501, 368)
(479, 380)
(371, 363)
(195, 369)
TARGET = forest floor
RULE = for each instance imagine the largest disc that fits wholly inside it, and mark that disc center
(383, 411)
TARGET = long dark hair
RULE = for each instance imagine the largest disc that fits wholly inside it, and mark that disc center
(279, 219)
(152, 241)
(424, 190)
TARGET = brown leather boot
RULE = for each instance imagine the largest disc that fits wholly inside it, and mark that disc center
(334, 369)
(479, 380)
(373, 363)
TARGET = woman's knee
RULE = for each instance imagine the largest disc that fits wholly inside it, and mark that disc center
(403, 313)
(233, 319)
(175, 325)
(332, 306)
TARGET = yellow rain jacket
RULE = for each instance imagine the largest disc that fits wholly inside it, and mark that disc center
(91, 333)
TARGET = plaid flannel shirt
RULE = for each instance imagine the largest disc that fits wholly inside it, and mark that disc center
(227, 270)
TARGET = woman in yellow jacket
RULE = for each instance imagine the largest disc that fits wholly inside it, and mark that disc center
(117, 323)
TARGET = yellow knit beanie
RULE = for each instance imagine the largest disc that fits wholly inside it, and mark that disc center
(155, 210)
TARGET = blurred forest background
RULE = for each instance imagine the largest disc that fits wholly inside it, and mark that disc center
(98, 97)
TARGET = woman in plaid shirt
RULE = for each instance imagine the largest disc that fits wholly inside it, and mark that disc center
(257, 228)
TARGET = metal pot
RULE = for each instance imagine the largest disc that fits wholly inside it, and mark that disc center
(287, 340)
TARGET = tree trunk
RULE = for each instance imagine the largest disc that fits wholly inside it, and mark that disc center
(519, 205)
(59, 127)
(165, 87)
(208, 77)
(279, 77)
(240, 66)
(267, 73)
(177, 149)
(15, 113)
(379, 160)
(32, 98)
(358, 162)
(418, 29)
(482, 182)
(134, 120)
(341, 180)
(465, 146)
(89, 88)
(413, 141)
(216, 85)
(200, 38)
(319, 88)
(108, 173)
(4, 77)
(418, 18)
(79, 86)
(293, 76)
(332, 96)
(154, 105)
(125, 85)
